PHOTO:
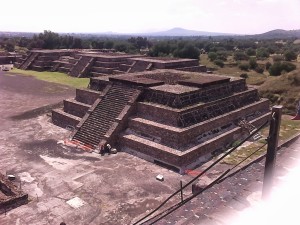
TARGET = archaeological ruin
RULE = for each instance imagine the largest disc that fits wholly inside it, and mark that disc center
(96, 63)
(174, 118)
(10, 195)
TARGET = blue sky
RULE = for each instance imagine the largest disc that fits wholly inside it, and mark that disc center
(227, 16)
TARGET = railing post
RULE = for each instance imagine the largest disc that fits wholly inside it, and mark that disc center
(181, 194)
(271, 151)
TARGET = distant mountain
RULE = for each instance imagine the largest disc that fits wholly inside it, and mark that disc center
(278, 34)
(177, 31)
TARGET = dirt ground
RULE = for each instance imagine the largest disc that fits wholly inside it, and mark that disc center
(110, 189)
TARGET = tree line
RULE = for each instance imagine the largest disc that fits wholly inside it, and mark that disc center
(218, 49)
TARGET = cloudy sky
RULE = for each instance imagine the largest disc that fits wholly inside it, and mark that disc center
(227, 16)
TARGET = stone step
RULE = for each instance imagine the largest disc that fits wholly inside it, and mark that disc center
(102, 70)
(197, 113)
(152, 150)
(104, 115)
(96, 74)
(63, 119)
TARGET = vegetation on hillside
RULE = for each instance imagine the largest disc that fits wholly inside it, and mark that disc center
(283, 90)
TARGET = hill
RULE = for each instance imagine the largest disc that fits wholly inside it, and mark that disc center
(283, 90)
(278, 34)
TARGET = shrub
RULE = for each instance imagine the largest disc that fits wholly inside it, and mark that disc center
(240, 56)
(268, 65)
(252, 63)
(219, 63)
(244, 66)
(259, 69)
(244, 75)
(290, 55)
(287, 66)
(222, 55)
(251, 52)
(262, 53)
(275, 69)
(212, 56)
(277, 58)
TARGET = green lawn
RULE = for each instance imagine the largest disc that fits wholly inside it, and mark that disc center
(54, 77)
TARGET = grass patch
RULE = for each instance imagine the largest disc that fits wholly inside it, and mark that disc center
(55, 77)
(288, 129)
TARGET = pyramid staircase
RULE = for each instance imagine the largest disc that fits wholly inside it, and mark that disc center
(107, 116)
(140, 66)
(81, 67)
(25, 65)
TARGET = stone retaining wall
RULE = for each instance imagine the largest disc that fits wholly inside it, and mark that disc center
(181, 137)
(198, 113)
(203, 95)
(86, 96)
(62, 119)
(75, 108)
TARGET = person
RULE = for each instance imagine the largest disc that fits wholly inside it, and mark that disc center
(102, 150)
(107, 148)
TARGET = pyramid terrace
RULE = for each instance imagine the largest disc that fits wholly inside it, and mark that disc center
(177, 119)
(97, 63)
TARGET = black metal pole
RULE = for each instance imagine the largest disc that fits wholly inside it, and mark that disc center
(271, 150)
(181, 195)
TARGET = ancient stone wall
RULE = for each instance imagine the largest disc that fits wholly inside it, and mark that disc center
(173, 65)
(182, 137)
(203, 95)
(97, 84)
(10, 195)
(200, 69)
(197, 113)
(75, 108)
(62, 119)
(86, 96)
(182, 160)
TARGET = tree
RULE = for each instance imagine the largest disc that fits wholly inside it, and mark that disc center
(212, 56)
(10, 46)
(252, 63)
(250, 52)
(121, 47)
(244, 66)
(275, 69)
(262, 53)
(240, 56)
(97, 44)
(222, 55)
(287, 66)
(161, 48)
(268, 65)
(219, 63)
(77, 43)
(50, 39)
(109, 44)
(188, 51)
(290, 55)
